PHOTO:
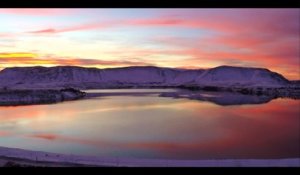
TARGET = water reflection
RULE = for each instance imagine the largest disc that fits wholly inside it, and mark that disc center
(155, 127)
(220, 98)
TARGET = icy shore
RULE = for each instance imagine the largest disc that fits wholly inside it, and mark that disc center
(73, 160)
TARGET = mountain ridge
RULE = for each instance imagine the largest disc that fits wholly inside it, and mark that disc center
(140, 76)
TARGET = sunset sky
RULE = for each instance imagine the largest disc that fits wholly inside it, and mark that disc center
(187, 38)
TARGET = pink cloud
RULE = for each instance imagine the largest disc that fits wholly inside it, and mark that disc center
(156, 22)
(7, 35)
(79, 27)
(281, 23)
(44, 31)
(225, 26)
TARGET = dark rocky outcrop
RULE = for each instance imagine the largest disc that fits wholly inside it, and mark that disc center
(38, 96)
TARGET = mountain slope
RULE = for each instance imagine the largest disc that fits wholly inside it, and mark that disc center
(138, 76)
(236, 76)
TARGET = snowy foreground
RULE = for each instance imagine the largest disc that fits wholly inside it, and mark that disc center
(37, 158)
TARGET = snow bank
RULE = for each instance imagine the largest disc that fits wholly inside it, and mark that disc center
(128, 162)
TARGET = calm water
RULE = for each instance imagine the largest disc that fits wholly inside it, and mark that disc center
(149, 126)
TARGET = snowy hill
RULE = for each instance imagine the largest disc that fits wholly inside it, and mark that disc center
(66, 76)
(240, 76)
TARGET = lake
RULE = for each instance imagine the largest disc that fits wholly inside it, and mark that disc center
(131, 123)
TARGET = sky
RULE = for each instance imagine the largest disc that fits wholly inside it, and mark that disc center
(179, 38)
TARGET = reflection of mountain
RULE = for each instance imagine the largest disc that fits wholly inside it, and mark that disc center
(138, 76)
(220, 98)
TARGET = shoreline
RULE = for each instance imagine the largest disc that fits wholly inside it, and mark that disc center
(23, 97)
(20, 97)
(40, 158)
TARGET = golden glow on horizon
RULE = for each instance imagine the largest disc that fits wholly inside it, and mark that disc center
(18, 55)
(31, 59)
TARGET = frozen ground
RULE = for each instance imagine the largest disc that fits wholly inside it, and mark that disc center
(37, 158)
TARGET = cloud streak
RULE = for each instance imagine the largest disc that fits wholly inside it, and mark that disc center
(30, 59)
(80, 27)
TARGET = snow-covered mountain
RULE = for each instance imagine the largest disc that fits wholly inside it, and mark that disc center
(65, 76)
(236, 76)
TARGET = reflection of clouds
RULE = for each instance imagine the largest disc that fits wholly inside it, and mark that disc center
(277, 107)
(4, 133)
(131, 107)
(170, 128)
(243, 136)
(45, 136)
(36, 117)
(8, 125)
(221, 98)
(74, 108)
(63, 138)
